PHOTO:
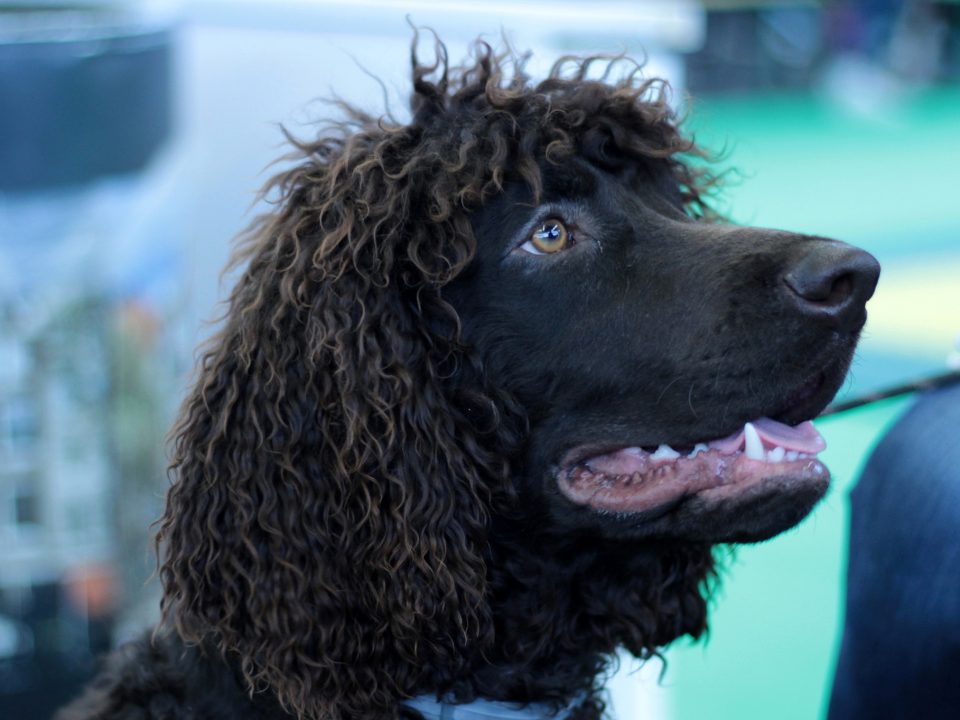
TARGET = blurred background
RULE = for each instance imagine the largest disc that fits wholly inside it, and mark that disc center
(134, 135)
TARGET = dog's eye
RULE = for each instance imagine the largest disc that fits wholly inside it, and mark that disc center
(550, 236)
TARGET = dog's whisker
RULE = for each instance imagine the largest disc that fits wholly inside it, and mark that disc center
(690, 402)
(666, 388)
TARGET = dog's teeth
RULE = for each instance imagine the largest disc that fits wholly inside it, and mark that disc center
(665, 452)
(776, 455)
(754, 445)
(792, 455)
(697, 449)
(634, 451)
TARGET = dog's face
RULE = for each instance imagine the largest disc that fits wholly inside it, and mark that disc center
(642, 342)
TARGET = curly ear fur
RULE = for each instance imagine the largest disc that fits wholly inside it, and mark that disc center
(327, 527)
(326, 524)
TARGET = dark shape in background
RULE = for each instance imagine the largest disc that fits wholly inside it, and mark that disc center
(783, 46)
(82, 96)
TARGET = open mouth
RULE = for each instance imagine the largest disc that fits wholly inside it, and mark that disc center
(637, 479)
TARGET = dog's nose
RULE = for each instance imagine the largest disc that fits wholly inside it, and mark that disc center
(832, 282)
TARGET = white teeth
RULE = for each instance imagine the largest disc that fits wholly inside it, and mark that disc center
(753, 449)
(665, 452)
(754, 445)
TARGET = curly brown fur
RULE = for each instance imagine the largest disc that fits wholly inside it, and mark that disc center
(355, 517)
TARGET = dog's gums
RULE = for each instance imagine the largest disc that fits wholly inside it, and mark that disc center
(634, 479)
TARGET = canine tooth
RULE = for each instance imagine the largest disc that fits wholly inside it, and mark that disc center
(776, 455)
(754, 445)
(665, 452)
(792, 455)
(697, 449)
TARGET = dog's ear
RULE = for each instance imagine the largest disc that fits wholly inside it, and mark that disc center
(326, 525)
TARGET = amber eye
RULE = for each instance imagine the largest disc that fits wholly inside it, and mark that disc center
(550, 236)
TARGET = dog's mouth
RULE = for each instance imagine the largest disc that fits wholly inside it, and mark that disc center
(642, 479)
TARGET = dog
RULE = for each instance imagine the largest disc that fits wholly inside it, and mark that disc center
(492, 385)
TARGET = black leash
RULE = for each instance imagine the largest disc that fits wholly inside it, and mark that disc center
(927, 383)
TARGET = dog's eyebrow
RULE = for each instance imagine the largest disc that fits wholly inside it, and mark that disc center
(569, 183)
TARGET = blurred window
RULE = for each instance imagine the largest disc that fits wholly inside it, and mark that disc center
(19, 427)
(26, 504)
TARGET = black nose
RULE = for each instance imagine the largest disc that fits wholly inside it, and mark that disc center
(832, 282)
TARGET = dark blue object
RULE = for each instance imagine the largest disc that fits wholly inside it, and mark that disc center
(900, 656)
(81, 103)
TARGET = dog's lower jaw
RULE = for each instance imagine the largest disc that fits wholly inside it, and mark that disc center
(735, 513)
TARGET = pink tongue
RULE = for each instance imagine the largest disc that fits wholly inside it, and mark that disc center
(802, 438)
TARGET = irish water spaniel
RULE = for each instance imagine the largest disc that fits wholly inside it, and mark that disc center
(492, 385)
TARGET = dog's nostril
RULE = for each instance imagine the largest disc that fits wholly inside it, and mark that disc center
(832, 282)
(841, 289)
(820, 288)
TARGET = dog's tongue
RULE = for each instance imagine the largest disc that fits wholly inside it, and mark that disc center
(802, 438)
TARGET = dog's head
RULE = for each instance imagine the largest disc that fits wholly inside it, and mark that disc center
(513, 304)
(669, 366)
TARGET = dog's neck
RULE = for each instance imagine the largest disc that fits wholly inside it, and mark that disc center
(563, 604)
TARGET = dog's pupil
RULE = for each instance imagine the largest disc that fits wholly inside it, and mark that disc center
(551, 234)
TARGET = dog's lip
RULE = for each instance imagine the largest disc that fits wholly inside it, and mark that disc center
(714, 477)
(810, 397)
(805, 400)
